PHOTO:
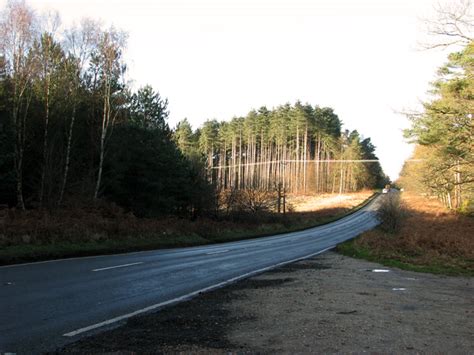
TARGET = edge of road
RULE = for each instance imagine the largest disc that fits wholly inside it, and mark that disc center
(190, 295)
(116, 320)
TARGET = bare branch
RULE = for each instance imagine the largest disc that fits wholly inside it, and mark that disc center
(454, 25)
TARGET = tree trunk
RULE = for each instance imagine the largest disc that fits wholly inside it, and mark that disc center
(45, 142)
(20, 126)
(105, 124)
(318, 158)
(19, 146)
(68, 155)
(305, 157)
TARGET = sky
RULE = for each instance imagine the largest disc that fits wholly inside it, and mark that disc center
(216, 59)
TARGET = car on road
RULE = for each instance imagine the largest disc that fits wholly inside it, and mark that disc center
(385, 190)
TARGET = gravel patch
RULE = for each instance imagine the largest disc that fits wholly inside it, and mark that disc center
(327, 304)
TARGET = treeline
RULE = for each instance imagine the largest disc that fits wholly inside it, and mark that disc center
(72, 131)
(443, 161)
(299, 147)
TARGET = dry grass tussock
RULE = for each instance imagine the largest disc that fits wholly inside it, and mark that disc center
(429, 234)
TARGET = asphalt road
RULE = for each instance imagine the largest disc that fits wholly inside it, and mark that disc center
(48, 304)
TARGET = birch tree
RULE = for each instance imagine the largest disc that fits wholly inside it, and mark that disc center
(17, 34)
(108, 60)
(80, 43)
(49, 59)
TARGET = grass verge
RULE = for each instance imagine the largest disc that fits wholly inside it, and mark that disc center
(430, 239)
(35, 236)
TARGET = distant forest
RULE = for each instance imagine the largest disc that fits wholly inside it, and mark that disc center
(72, 131)
(301, 147)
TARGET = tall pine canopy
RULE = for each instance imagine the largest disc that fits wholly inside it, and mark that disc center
(299, 146)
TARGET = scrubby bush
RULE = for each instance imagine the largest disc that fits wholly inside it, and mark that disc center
(255, 200)
(249, 205)
(248, 200)
(391, 213)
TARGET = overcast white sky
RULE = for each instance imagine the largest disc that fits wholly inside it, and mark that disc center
(221, 58)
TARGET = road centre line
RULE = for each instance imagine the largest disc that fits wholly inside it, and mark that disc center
(75, 258)
(217, 252)
(189, 295)
(118, 266)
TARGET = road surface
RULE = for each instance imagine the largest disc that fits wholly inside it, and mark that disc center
(49, 304)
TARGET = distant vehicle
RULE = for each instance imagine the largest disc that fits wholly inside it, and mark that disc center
(384, 191)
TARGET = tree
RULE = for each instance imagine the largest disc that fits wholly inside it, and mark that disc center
(453, 25)
(148, 109)
(7, 144)
(296, 147)
(107, 60)
(207, 143)
(185, 139)
(80, 42)
(147, 175)
(446, 125)
(49, 59)
(17, 34)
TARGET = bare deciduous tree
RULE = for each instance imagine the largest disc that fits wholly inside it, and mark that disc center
(453, 25)
(48, 57)
(80, 42)
(108, 59)
(17, 33)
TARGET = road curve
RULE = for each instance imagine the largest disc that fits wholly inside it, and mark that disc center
(48, 304)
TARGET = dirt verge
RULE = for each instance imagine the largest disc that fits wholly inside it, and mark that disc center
(328, 304)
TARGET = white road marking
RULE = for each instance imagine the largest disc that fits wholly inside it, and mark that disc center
(76, 258)
(189, 295)
(217, 252)
(118, 266)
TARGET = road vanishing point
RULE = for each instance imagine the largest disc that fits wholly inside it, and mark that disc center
(46, 305)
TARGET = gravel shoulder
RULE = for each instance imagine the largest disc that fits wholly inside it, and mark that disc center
(327, 304)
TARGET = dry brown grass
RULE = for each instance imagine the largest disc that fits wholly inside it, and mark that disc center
(430, 235)
(106, 228)
(307, 203)
(92, 223)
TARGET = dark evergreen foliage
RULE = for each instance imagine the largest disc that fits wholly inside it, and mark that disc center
(146, 173)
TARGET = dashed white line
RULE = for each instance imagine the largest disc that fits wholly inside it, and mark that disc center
(117, 266)
(217, 252)
(189, 295)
